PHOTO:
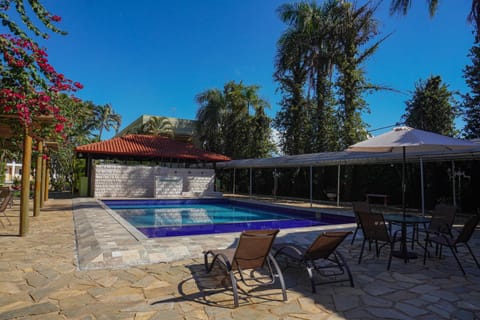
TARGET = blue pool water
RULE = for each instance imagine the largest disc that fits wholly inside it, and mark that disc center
(164, 218)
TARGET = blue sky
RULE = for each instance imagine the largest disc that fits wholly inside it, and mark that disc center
(154, 57)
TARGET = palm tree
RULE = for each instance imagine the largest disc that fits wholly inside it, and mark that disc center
(158, 126)
(106, 118)
(357, 29)
(402, 6)
(224, 124)
(210, 120)
(312, 30)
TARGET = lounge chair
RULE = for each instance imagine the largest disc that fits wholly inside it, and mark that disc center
(6, 201)
(252, 253)
(463, 237)
(321, 256)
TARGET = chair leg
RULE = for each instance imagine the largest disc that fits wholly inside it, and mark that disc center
(361, 251)
(234, 287)
(471, 253)
(425, 252)
(279, 275)
(208, 266)
(413, 235)
(346, 267)
(354, 235)
(310, 275)
(390, 256)
(456, 258)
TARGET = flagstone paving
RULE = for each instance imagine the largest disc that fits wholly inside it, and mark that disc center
(72, 265)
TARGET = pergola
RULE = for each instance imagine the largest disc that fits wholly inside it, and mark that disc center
(344, 158)
(41, 172)
(141, 147)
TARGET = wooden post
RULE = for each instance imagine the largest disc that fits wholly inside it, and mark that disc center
(47, 180)
(25, 192)
(42, 187)
(38, 181)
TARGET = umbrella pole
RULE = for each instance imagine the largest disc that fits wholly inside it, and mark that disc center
(403, 183)
(404, 225)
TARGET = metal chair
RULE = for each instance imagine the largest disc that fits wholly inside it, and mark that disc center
(375, 230)
(359, 206)
(463, 237)
(7, 199)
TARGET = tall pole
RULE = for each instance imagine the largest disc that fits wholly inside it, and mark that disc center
(233, 190)
(422, 187)
(338, 185)
(250, 191)
(44, 171)
(25, 191)
(47, 179)
(404, 187)
(453, 185)
(311, 187)
(38, 180)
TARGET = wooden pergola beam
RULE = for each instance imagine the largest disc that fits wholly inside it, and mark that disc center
(6, 131)
(38, 180)
(25, 191)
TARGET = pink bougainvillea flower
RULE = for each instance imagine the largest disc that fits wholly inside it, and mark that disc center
(59, 127)
(78, 85)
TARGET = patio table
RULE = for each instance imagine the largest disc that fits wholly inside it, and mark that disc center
(404, 221)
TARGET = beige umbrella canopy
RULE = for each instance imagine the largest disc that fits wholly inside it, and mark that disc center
(401, 139)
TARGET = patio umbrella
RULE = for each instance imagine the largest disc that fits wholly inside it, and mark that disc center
(401, 139)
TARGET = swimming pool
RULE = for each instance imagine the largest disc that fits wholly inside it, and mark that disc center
(167, 218)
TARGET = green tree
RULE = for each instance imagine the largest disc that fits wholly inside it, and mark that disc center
(81, 130)
(357, 29)
(293, 121)
(225, 125)
(402, 6)
(40, 13)
(106, 118)
(210, 120)
(310, 30)
(319, 70)
(158, 126)
(432, 107)
(471, 100)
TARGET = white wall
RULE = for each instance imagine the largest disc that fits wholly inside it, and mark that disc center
(124, 181)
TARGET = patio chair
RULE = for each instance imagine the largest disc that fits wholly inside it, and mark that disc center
(7, 199)
(359, 206)
(463, 237)
(321, 256)
(375, 230)
(443, 217)
(252, 253)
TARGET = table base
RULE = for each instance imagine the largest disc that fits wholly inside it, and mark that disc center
(401, 254)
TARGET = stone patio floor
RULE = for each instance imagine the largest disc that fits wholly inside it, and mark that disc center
(78, 262)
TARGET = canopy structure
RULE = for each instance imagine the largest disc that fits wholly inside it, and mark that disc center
(150, 148)
(401, 139)
(350, 158)
(138, 146)
(343, 158)
(8, 122)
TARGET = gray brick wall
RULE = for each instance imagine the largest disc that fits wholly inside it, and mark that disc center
(124, 181)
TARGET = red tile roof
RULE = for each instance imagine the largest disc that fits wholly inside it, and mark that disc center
(148, 146)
